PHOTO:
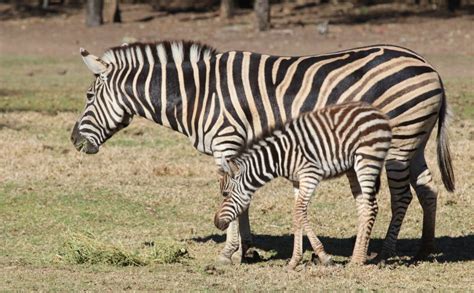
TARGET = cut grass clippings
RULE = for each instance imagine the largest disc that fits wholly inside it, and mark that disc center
(81, 248)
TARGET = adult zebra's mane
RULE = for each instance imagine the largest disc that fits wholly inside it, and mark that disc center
(171, 51)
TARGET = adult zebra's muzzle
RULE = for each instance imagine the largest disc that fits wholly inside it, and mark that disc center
(81, 143)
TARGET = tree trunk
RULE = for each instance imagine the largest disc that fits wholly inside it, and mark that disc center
(442, 4)
(262, 14)
(423, 3)
(227, 9)
(454, 5)
(73, 3)
(112, 11)
(94, 12)
(18, 4)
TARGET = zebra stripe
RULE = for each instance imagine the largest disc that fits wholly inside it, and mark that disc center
(221, 101)
(352, 137)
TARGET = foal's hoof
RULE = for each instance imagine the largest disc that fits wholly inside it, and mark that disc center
(356, 262)
(224, 261)
(291, 266)
(372, 257)
(326, 260)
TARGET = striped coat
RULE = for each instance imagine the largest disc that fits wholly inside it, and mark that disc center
(221, 101)
(350, 137)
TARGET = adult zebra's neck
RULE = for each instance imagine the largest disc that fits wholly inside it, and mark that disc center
(170, 83)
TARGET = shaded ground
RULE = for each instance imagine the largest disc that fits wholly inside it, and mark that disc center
(148, 183)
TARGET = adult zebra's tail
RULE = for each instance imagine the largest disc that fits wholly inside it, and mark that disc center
(444, 155)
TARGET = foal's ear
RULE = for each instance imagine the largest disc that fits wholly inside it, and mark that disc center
(221, 172)
(228, 167)
(225, 167)
(94, 63)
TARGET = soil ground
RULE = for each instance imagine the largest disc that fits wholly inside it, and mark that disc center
(148, 183)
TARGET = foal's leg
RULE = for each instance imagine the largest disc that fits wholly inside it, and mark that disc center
(298, 239)
(368, 176)
(306, 189)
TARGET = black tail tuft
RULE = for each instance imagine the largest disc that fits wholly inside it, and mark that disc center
(444, 154)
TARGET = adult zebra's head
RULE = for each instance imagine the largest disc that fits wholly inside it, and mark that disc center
(236, 197)
(103, 113)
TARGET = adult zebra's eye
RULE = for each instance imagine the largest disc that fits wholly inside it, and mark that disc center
(89, 96)
(225, 193)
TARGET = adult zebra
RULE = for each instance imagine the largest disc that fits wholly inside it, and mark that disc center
(223, 100)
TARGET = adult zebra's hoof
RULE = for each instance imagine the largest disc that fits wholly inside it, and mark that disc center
(252, 256)
(236, 257)
(425, 253)
(384, 256)
(222, 260)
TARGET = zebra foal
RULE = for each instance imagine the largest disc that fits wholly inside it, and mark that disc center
(351, 138)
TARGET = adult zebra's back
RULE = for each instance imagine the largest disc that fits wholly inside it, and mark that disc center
(221, 101)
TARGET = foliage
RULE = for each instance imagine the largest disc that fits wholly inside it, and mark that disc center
(81, 248)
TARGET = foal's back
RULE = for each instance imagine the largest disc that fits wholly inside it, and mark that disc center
(334, 136)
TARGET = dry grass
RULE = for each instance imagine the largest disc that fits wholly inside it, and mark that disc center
(148, 185)
(81, 248)
(132, 193)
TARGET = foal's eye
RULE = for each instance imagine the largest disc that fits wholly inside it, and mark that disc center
(225, 193)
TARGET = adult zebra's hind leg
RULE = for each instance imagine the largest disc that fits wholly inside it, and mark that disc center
(422, 182)
(398, 175)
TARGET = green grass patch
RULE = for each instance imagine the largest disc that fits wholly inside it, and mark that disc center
(81, 248)
(460, 95)
(464, 105)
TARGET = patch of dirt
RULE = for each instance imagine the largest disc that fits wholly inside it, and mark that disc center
(296, 31)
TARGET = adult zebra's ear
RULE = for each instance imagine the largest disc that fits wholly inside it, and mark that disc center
(94, 63)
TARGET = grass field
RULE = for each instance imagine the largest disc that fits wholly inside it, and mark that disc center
(148, 185)
(71, 221)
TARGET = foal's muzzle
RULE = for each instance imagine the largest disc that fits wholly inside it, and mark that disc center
(220, 223)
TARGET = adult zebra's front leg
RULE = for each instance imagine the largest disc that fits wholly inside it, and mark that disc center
(232, 244)
(238, 240)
